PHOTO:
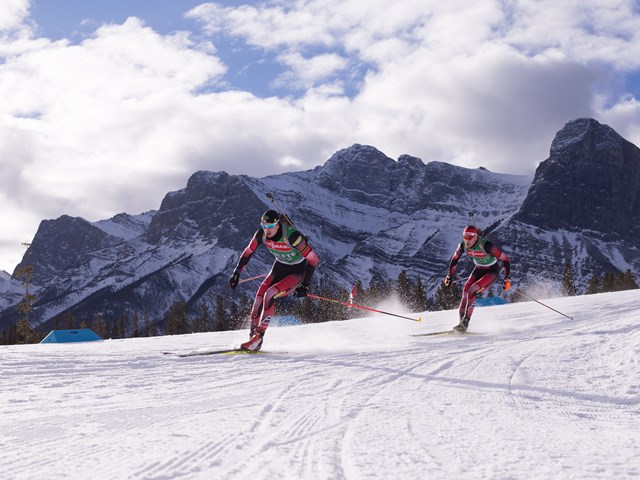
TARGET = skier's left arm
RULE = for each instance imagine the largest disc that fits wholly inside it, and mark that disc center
(500, 255)
(299, 242)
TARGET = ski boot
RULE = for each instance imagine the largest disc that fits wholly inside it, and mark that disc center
(256, 335)
(254, 343)
(462, 326)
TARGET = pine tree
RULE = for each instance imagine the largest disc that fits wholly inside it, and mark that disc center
(378, 290)
(149, 328)
(136, 331)
(404, 288)
(568, 282)
(594, 285)
(203, 321)
(447, 298)
(121, 325)
(608, 283)
(98, 325)
(222, 321)
(24, 333)
(10, 335)
(176, 320)
(419, 297)
(629, 280)
(357, 290)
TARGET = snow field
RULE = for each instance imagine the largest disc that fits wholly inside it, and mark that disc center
(533, 395)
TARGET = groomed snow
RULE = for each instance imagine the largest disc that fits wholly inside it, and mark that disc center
(534, 395)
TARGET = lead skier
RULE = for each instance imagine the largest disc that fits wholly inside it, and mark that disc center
(294, 265)
(486, 257)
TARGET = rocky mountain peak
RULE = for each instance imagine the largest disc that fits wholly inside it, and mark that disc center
(362, 173)
(583, 135)
(63, 244)
(580, 186)
(359, 168)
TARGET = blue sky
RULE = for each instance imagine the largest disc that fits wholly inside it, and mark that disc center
(109, 105)
(77, 20)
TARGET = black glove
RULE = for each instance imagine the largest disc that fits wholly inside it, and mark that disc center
(233, 281)
(447, 281)
(301, 291)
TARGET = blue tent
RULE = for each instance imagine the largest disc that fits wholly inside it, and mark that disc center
(489, 301)
(285, 321)
(65, 336)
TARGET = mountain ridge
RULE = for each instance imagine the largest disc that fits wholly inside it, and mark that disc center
(368, 216)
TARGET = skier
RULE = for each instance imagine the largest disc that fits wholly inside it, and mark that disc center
(485, 256)
(292, 270)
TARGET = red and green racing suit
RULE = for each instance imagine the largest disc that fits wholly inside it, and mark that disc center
(487, 258)
(295, 263)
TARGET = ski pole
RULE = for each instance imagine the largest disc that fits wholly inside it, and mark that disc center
(273, 200)
(253, 278)
(353, 305)
(537, 301)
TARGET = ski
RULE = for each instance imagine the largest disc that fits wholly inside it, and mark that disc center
(444, 332)
(231, 351)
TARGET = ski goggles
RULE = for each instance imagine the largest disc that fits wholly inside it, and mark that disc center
(469, 236)
(269, 225)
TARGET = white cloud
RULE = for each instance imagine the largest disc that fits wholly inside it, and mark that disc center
(591, 31)
(266, 27)
(90, 127)
(624, 117)
(114, 122)
(307, 72)
(13, 13)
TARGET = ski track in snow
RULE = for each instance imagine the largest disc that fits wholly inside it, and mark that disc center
(534, 396)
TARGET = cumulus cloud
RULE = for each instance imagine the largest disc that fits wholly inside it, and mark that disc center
(13, 13)
(115, 121)
(307, 72)
(89, 127)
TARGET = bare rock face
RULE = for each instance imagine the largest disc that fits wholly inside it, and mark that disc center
(590, 182)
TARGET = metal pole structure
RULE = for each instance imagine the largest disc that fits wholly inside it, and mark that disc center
(353, 305)
(253, 278)
(537, 301)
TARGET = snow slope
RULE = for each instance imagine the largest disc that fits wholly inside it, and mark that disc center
(534, 395)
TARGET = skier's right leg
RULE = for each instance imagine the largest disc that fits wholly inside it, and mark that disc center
(466, 305)
(258, 304)
(479, 281)
(280, 289)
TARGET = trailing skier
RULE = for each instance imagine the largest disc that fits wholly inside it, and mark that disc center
(487, 258)
(294, 265)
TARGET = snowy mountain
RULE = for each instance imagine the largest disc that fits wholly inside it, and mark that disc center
(532, 395)
(583, 207)
(367, 215)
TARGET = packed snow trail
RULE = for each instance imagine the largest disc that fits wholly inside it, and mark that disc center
(533, 395)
